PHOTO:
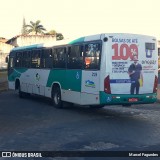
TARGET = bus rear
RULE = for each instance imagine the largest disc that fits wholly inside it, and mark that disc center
(129, 69)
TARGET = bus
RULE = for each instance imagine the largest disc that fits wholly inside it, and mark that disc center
(97, 70)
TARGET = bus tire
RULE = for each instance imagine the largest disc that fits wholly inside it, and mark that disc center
(56, 97)
(21, 94)
(96, 106)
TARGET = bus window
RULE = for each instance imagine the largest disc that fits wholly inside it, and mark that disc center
(75, 57)
(92, 56)
(18, 59)
(26, 59)
(47, 58)
(59, 58)
(35, 63)
(11, 62)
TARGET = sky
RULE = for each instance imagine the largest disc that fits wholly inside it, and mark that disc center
(75, 18)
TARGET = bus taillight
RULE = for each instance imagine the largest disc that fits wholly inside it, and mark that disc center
(107, 87)
(155, 84)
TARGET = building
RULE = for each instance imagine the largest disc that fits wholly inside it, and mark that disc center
(3, 40)
(24, 40)
(4, 51)
(21, 40)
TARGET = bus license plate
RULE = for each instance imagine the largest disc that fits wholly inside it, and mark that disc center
(133, 99)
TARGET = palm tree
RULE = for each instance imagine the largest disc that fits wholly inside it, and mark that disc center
(35, 27)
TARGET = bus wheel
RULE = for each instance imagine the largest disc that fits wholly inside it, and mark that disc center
(21, 94)
(56, 97)
(96, 106)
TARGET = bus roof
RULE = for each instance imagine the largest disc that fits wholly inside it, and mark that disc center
(74, 41)
(28, 47)
(60, 42)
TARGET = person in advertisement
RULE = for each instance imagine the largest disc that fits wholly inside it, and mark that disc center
(135, 73)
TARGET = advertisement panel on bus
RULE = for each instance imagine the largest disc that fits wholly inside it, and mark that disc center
(133, 64)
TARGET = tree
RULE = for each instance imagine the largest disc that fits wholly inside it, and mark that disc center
(24, 29)
(35, 28)
(59, 36)
(51, 32)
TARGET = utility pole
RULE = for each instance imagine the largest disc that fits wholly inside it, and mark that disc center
(24, 30)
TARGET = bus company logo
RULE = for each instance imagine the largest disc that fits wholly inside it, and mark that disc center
(149, 53)
(89, 83)
(37, 77)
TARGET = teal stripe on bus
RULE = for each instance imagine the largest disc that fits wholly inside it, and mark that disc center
(34, 46)
(123, 98)
(77, 40)
(68, 79)
(16, 73)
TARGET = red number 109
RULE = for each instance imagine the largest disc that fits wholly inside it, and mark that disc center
(124, 52)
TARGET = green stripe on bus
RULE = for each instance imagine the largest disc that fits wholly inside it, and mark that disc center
(16, 73)
(77, 40)
(68, 79)
(123, 98)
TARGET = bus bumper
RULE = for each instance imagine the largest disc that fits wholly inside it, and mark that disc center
(122, 99)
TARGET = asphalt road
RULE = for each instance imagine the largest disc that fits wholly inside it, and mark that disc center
(32, 124)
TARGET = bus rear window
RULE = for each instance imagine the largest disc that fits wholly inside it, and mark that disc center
(92, 56)
(150, 46)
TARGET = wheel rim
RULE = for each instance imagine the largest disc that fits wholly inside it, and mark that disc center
(56, 98)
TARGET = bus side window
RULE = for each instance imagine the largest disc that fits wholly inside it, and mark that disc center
(23, 58)
(18, 59)
(75, 57)
(49, 59)
(26, 59)
(35, 62)
(46, 61)
(11, 62)
(59, 58)
(92, 56)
